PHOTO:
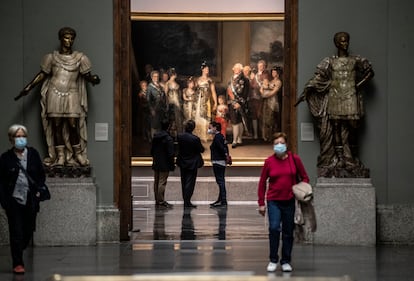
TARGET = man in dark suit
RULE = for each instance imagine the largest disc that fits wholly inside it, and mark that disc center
(189, 159)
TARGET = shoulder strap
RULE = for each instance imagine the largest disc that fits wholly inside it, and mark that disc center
(25, 172)
(298, 179)
(293, 158)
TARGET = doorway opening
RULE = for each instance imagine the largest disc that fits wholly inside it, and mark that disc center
(123, 81)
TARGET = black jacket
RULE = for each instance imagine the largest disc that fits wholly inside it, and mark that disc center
(189, 151)
(9, 171)
(162, 152)
(218, 148)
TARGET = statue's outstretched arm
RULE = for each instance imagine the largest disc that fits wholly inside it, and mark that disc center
(303, 96)
(36, 80)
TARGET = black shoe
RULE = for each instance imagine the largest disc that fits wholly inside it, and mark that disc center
(212, 204)
(190, 205)
(219, 204)
(166, 204)
(234, 145)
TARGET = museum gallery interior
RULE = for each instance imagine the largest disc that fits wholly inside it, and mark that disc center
(343, 100)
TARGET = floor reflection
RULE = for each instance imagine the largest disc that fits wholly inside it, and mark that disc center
(159, 224)
(187, 225)
(222, 220)
(178, 223)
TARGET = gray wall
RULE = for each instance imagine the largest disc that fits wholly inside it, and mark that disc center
(382, 31)
(29, 31)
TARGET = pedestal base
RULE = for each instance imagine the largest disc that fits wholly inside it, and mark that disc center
(69, 218)
(345, 211)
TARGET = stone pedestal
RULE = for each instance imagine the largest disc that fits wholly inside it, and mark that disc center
(107, 222)
(345, 211)
(69, 218)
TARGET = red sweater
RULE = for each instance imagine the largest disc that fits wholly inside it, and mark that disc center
(281, 175)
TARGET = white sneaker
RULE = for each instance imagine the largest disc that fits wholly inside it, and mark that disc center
(286, 267)
(271, 267)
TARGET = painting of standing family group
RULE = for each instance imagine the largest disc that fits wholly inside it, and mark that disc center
(179, 74)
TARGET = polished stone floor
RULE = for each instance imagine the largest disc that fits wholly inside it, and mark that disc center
(177, 223)
(209, 242)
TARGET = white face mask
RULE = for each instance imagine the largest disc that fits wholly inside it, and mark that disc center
(211, 131)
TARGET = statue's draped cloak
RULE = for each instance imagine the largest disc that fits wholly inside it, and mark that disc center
(67, 67)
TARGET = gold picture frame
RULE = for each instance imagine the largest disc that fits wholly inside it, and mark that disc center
(243, 156)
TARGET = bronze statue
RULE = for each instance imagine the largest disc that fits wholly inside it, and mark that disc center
(334, 98)
(64, 74)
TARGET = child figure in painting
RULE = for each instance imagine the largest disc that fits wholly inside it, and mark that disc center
(188, 98)
(221, 114)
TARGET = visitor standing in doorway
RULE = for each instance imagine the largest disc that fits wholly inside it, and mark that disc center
(219, 153)
(162, 152)
(189, 160)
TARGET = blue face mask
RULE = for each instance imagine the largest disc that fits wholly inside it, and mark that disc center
(20, 142)
(280, 148)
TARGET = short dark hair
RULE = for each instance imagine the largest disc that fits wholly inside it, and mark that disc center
(216, 125)
(278, 69)
(340, 34)
(189, 126)
(66, 30)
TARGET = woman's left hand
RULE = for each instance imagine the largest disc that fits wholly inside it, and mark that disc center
(262, 210)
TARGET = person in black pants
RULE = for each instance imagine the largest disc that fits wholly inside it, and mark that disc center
(162, 152)
(219, 152)
(189, 159)
(18, 196)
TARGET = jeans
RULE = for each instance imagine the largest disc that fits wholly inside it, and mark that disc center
(219, 172)
(281, 219)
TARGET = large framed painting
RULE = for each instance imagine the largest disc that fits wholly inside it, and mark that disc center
(184, 43)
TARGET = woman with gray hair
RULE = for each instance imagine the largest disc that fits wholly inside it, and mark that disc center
(18, 193)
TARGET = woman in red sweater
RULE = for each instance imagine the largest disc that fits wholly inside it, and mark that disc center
(280, 170)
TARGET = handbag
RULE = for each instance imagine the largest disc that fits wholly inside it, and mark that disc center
(302, 190)
(44, 193)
